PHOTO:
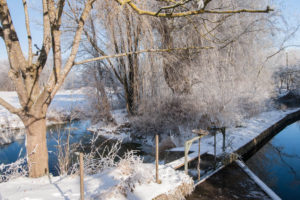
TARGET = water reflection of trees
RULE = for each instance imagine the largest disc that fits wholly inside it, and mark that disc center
(298, 124)
(263, 162)
(282, 155)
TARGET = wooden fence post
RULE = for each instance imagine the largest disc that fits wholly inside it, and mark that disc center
(81, 177)
(199, 156)
(215, 149)
(223, 130)
(186, 152)
(157, 158)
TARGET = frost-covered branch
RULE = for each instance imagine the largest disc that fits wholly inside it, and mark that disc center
(139, 52)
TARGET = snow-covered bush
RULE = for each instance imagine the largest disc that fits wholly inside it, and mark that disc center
(13, 170)
(131, 172)
(97, 157)
(165, 116)
(100, 159)
(288, 79)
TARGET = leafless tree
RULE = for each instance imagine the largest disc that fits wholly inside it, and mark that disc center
(25, 73)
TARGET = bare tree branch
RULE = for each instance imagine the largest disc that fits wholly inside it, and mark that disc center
(75, 46)
(14, 52)
(28, 33)
(138, 52)
(281, 48)
(46, 37)
(177, 4)
(9, 107)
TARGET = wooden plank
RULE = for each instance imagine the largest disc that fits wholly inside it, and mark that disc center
(180, 162)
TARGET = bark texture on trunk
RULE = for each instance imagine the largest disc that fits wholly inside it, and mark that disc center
(36, 147)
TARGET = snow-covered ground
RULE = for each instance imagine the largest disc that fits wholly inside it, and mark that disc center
(65, 102)
(235, 137)
(117, 183)
(113, 131)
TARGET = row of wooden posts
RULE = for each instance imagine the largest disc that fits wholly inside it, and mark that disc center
(187, 146)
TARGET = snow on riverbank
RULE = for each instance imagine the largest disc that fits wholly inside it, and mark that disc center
(236, 137)
(66, 104)
(118, 131)
(116, 183)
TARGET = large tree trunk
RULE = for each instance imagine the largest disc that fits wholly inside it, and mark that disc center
(36, 147)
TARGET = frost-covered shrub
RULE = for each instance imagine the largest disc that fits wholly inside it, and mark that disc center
(165, 116)
(97, 157)
(288, 79)
(131, 167)
(13, 170)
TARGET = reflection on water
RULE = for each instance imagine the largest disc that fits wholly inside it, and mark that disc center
(278, 162)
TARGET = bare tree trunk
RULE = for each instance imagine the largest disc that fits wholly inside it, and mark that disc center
(104, 102)
(36, 146)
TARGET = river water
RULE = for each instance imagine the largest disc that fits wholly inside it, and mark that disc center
(278, 162)
(9, 153)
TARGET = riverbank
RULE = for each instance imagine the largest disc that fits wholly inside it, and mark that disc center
(243, 141)
(237, 139)
(66, 106)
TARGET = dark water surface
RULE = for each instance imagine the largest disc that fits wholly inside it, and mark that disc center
(278, 162)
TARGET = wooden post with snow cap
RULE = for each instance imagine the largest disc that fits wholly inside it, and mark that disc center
(215, 149)
(157, 158)
(81, 176)
(199, 157)
(223, 131)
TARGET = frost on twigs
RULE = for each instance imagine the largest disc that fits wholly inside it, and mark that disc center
(130, 172)
(13, 170)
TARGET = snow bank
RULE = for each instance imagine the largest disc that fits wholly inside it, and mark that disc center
(118, 131)
(9, 135)
(237, 137)
(66, 104)
(116, 183)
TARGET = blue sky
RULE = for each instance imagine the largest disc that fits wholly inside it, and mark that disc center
(17, 12)
(290, 10)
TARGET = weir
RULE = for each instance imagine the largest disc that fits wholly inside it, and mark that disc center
(235, 154)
